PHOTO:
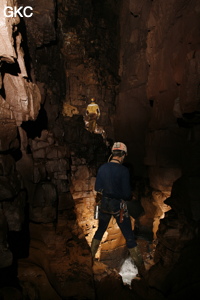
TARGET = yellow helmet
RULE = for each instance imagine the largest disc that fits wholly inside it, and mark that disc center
(93, 99)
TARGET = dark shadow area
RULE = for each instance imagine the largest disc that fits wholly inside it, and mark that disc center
(19, 240)
(15, 153)
(189, 119)
(19, 245)
(14, 150)
(34, 128)
(12, 69)
(2, 92)
(24, 44)
(8, 276)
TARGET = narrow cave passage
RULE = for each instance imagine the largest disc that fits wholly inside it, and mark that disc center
(140, 61)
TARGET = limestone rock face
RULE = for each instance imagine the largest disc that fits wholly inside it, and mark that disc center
(13, 202)
(12, 196)
(133, 110)
(158, 93)
(62, 260)
(44, 206)
(41, 25)
(168, 49)
(20, 101)
(177, 239)
(91, 64)
(7, 51)
(9, 134)
(22, 97)
(6, 255)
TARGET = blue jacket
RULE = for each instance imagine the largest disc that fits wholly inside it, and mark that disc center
(113, 180)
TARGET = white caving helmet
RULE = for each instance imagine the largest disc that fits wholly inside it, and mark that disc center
(118, 146)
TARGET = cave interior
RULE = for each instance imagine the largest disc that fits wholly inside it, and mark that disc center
(140, 60)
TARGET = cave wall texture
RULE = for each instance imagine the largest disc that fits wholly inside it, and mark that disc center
(140, 60)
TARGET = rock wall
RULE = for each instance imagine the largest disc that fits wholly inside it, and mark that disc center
(133, 109)
(91, 64)
(20, 101)
(51, 65)
(154, 96)
(20, 98)
(160, 91)
(175, 46)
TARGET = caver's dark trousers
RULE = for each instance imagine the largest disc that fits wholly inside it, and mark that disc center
(109, 208)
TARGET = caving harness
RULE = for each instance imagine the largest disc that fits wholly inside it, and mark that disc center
(121, 213)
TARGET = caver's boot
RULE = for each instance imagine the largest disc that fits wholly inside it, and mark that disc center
(138, 260)
(94, 247)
